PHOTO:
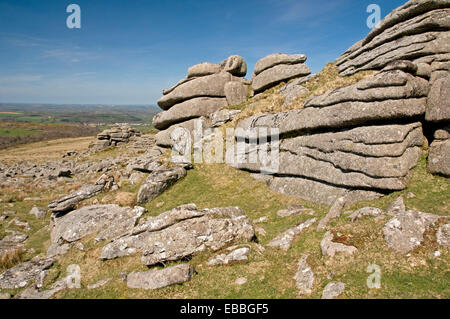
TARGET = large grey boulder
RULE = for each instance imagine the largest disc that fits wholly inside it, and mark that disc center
(107, 221)
(377, 157)
(438, 108)
(155, 279)
(404, 232)
(206, 86)
(158, 181)
(279, 73)
(193, 108)
(235, 65)
(277, 58)
(182, 232)
(21, 275)
(202, 69)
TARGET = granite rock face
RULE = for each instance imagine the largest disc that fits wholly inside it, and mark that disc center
(207, 88)
(182, 232)
(413, 31)
(439, 153)
(114, 136)
(21, 275)
(107, 221)
(276, 68)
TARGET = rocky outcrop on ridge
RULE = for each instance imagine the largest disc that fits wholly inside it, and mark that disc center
(207, 88)
(362, 140)
(417, 31)
(338, 143)
(276, 68)
(113, 137)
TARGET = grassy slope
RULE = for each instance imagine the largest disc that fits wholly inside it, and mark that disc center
(270, 274)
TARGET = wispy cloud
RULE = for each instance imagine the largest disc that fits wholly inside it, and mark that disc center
(17, 79)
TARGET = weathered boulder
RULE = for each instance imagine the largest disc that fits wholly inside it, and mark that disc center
(235, 92)
(155, 279)
(278, 73)
(294, 210)
(193, 108)
(373, 157)
(202, 69)
(182, 232)
(68, 202)
(221, 117)
(304, 277)
(107, 221)
(439, 153)
(158, 181)
(330, 248)
(291, 91)
(404, 232)
(21, 275)
(235, 65)
(438, 108)
(206, 86)
(276, 59)
(284, 240)
(333, 290)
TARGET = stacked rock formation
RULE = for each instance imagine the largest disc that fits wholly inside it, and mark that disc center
(114, 136)
(418, 31)
(361, 141)
(276, 68)
(207, 88)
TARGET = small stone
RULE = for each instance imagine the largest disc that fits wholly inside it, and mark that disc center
(241, 281)
(155, 279)
(260, 220)
(38, 212)
(410, 195)
(443, 235)
(333, 290)
(237, 255)
(5, 295)
(99, 283)
(260, 231)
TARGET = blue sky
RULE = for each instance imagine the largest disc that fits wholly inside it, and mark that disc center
(127, 51)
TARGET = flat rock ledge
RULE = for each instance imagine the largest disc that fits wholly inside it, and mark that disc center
(182, 232)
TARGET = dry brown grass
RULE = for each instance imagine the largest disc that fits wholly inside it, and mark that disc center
(46, 150)
(11, 258)
(271, 101)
